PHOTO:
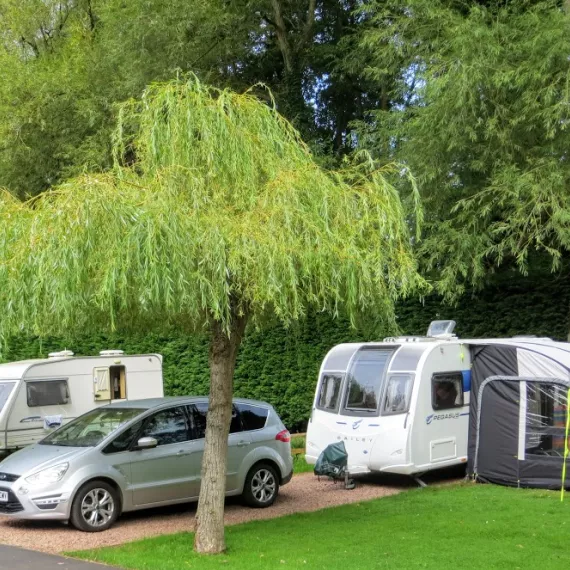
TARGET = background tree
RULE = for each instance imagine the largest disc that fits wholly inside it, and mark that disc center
(483, 128)
(65, 65)
(223, 219)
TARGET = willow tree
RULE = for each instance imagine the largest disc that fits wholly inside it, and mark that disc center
(215, 216)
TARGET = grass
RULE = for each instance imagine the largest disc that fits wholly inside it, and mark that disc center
(300, 465)
(297, 442)
(463, 526)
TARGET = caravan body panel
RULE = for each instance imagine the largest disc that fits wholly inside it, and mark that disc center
(49, 392)
(439, 436)
(398, 431)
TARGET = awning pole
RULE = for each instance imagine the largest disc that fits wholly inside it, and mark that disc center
(565, 446)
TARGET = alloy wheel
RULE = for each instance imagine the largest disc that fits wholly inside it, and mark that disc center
(97, 507)
(263, 485)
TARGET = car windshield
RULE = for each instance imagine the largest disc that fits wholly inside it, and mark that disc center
(92, 428)
(5, 391)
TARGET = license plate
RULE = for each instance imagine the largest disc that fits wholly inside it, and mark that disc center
(3, 497)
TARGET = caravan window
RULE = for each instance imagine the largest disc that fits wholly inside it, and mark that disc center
(5, 391)
(329, 392)
(365, 379)
(47, 393)
(545, 419)
(447, 390)
(397, 395)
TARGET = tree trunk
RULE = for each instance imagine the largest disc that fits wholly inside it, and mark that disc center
(210, 515)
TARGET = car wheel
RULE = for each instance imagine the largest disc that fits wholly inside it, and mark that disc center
(95, 507)
(261, 486)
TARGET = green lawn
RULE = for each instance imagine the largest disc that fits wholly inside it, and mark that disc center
(300, 465)
(457, 527)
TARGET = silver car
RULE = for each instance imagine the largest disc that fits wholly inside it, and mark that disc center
(139, 454)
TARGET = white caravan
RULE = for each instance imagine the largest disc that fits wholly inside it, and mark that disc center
(402, 405)
(39, 395)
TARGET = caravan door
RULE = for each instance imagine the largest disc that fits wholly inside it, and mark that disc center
(441, 417)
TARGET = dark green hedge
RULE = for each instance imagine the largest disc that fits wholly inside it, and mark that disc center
(281, 366)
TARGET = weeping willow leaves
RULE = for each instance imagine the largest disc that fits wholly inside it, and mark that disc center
(221, 199)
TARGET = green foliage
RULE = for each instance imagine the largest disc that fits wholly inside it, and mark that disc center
(465, 526)
(65, 64)
(298, 442)
(484, 128)
(281, 365)
(300, 465)
(224, 205)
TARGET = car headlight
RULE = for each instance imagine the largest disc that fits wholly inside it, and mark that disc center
(49, 475)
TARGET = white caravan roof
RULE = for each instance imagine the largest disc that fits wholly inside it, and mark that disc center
(16, 370)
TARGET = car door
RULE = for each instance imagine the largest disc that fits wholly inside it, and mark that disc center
(164, 473)
(238, 442)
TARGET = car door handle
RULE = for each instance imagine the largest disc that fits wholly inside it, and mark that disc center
(31, 419)
(243, 443)
(181, 453)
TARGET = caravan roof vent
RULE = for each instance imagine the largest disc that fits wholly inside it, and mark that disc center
(441, 329)
(111, 353)
(400, 339)
(61, 354)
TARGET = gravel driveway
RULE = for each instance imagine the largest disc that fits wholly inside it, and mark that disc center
(304, 493)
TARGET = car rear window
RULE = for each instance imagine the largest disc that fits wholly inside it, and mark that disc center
(199, 414)
(253, 417)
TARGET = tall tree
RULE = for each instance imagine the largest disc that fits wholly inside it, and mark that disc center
(484, 128)
(223, 220)
(65, 65)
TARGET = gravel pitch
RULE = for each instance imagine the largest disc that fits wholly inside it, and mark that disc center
(304, 493)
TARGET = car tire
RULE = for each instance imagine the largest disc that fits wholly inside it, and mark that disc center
(261, 486)
(95, 507)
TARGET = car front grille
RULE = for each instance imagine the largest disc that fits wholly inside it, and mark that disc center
(8, 477)
(12, 506)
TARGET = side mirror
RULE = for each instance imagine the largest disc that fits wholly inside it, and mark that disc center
(146, 443)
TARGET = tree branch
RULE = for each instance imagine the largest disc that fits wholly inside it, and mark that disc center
(92, 18)
(63, 18)
(282, 40)
(268, 20)
(33, 45)
(309, 24)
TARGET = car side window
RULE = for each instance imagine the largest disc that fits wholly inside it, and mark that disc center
(199, 412)
(123, 441)
(253, 417)
(167, 426)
